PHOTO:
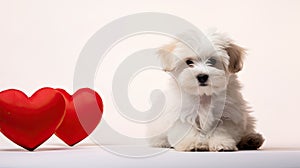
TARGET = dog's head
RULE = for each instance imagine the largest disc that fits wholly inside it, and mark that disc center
(204, 65)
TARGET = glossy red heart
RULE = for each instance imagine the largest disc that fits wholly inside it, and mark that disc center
(83, 113)
(30, 121)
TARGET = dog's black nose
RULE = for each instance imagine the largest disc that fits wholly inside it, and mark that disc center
(202, 78)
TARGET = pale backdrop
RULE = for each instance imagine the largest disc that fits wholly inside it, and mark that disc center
(40, 42)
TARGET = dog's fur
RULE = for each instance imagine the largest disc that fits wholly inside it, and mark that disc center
(213, 116)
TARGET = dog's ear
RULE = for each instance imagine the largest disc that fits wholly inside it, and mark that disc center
(166, 57)
(236, 57)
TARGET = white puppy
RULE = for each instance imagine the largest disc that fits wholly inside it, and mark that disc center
(205, 109)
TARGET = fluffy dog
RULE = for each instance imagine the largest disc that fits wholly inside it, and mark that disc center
(205, 109)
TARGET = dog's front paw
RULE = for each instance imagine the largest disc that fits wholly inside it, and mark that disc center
(161, 145)
(184, 147)
(201, 147)
(159, 142)
(194, 147)
(217, 145)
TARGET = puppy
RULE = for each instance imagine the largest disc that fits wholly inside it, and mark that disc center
(204, 109)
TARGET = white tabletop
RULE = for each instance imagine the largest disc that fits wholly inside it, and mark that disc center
(85, 155)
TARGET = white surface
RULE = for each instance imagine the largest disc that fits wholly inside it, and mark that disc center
(54, 153)
(95, 156)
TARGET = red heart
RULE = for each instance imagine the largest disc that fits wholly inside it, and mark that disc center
(83, 113)
(30, 121)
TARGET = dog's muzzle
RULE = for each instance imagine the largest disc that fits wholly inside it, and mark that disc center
(202, 79)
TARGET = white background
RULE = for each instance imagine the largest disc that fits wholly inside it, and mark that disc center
(40, 42)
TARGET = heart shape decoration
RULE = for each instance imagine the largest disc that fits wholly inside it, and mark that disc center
(30, 121)
(83, 113)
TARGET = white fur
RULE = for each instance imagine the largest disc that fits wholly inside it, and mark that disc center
(213, 117)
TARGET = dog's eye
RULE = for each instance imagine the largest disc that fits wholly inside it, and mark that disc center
(212, 61)
(189, 63)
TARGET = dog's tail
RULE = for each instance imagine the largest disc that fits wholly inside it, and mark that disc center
(251, 141)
